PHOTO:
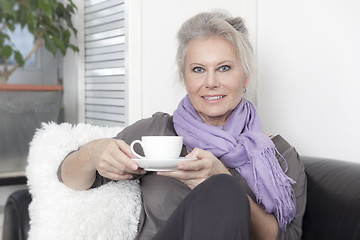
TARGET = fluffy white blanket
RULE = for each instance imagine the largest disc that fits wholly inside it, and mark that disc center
(57, 212)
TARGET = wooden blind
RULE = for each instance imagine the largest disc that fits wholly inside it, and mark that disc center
(105, 92)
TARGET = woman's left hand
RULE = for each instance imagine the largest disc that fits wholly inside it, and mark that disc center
(194, 172)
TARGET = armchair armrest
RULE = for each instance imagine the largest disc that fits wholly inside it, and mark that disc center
(16, 216)
(333, 199)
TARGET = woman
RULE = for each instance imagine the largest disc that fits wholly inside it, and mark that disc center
(237, 188)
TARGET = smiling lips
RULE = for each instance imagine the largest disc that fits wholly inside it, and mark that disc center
(213, 98)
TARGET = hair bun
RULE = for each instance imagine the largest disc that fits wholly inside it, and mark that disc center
(238, 24)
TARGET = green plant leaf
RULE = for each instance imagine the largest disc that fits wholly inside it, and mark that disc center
(70, 8)
(31, 21)
(7, 51)
(60, 45)
(18, 58)
(72, 4)
(45, 5)
(74, 48)
(54, 31)
(7, 8)
(66, 36)
(60, 10)
(50, 44)
(22, 13)
(11, 26)
(3, 36)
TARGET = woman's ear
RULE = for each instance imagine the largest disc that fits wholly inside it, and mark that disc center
(246, 82)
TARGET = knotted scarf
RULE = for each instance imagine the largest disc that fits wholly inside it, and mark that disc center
(242, 145)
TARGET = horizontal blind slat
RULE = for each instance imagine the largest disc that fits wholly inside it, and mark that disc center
(105, 12)
(105, 94)
(105, 64)
(105, 101)
(104, 20)
(108, 49)
(101, 5)
(105, 72)
(105, 57)
(93, 2)
(105, 116)
(105, 27)
(108, 79)
(105, 86)
(105, 122)
(105, 42)
(105, 34)
(106, 109)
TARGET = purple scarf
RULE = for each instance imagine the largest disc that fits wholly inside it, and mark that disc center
(242, 145)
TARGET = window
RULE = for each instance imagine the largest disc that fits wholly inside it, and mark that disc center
(104, 62)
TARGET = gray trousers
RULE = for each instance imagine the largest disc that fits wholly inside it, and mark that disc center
(217, 209)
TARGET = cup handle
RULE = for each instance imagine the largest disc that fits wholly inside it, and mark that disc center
(133, 151)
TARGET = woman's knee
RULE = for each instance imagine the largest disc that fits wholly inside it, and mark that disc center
(224, 187)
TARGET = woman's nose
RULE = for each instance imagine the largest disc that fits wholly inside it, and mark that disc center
(212, 81)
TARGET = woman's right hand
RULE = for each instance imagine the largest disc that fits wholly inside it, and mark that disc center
(112, 158)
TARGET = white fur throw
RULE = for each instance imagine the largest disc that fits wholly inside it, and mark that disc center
(58, 212)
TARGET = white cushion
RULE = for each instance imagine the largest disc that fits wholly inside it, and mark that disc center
(58, 212)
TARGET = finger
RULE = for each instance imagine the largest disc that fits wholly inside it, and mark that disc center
(124, 164)
(183, 175)
(122, 170)
(123, 160)
(114, 176)
(193, 165)
(125, 148)
(198, 153)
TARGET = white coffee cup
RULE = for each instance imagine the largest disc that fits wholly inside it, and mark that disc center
(159, 147)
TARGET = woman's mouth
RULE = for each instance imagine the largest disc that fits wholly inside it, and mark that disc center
(213, 98)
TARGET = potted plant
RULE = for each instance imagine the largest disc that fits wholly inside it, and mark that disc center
(24, 107)
(49, 21)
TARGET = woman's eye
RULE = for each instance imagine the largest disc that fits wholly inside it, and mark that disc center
(198, 69)
(224, 68)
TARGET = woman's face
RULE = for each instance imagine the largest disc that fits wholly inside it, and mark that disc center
(214, 78)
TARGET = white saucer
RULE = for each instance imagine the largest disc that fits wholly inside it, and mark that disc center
(161, 165)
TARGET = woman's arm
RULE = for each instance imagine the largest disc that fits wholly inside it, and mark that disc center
(264, 226)
(110, 157)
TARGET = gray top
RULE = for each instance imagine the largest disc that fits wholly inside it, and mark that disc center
(161, 194)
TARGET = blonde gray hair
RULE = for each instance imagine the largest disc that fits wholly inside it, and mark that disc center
(216, 24)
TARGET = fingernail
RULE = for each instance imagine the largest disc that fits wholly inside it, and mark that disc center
(181, 166)
(159, 173)
(134, 167)
(143, 172)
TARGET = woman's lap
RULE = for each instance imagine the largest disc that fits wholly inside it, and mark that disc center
(218, 208)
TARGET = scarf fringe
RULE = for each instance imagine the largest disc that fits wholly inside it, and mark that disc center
(283, 199)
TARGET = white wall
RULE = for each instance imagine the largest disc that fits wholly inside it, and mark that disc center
(308, 54)
(161, 20)
(309, 57)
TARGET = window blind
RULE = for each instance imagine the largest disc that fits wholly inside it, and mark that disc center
(104, 42)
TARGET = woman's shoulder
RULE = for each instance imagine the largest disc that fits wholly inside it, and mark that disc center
(157, 124)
